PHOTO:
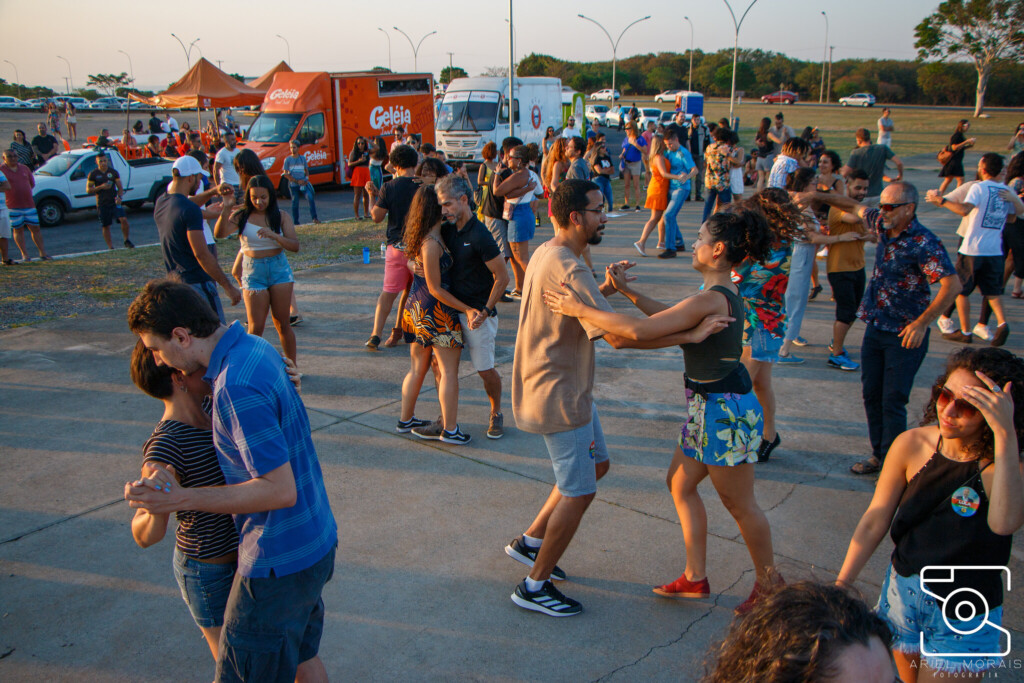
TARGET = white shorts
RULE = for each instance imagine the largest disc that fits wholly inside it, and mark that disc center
(736, 180)
(480, 342)
(5, 225)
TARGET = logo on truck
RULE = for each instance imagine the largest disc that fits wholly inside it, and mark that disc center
(381, 118)
(535, 116)
(315, 155)
(281, 95)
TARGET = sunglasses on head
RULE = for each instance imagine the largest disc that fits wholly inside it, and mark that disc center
(889, 208)
(962, 407)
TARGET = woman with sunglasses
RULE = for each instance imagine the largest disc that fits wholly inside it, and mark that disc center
(951, 495)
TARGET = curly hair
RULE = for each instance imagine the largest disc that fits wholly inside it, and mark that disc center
(743, 232)
(1002, 367)
(424, 214)
(785, 219)
(796, 634)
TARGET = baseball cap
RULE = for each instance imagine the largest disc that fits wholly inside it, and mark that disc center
(186, 166)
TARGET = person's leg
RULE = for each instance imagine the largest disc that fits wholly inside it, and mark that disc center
(872, 377)
(492, 386)
(945, 183)
(18, 235)
(280, 305)
(684, 474)
(814, 273)
(796, 292)
(310, 193)
(671, 219)
(649, 226)
(3, 250)
(124, 226)
(356, 196)
(996, 303)
(385, 302)
(37, 239)
(212, 635)
(761, 375)
(627, 176)
(698, 180)
(561, 527)
(105, 229)
(295, 203)
(963, 309)
(735, 486)
(419, 361)
(311, 671)
(520, 259)
(257, 306)
(959, 180)
(709, 203)
(908, 666)
(901, 366)
(448, 391)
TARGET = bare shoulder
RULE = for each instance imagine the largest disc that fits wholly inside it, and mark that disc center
(912, 449)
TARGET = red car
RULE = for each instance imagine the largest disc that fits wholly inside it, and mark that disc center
(781, 97)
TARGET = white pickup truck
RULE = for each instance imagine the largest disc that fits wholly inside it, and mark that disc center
(60, 182)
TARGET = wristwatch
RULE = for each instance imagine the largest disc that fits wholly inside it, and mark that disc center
(942, 200)
(486, 310)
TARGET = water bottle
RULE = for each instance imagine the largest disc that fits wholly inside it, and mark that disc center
(366, 254)
(383, 249)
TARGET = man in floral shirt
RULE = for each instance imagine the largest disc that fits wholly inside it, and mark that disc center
(897, 308)
(716, 171)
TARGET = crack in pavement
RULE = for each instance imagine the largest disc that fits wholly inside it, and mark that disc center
(682, 635)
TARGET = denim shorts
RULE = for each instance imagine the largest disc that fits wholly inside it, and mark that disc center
(271, 625)
(916, 620)
(764, 346)
(259, 274)
(205, 587)
(523, 224)
(574, 454)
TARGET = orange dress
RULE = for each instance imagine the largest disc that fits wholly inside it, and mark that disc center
(657, 190)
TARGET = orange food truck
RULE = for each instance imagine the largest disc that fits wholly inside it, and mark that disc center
(327, 112)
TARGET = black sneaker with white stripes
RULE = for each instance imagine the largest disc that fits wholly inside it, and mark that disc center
(548, 600)
(520, 552)
(456, 436)
(406, 426)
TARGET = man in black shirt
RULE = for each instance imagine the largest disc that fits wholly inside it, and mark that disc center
(698, 142)
(156, 126)
(678, 126)
(393, 201)
(105, 183)
(44, 145)
(478, 280)
(493, 206)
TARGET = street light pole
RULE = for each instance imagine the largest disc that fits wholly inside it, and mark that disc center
(828, 88)
(388, 36)
(188, 51)
(287, 45)
(70, 79)
(416, 48)
(824, 54)
(16, 77)
(689, 79)
(615, 43)
(735, 52)
(511, 74)
(131, 69)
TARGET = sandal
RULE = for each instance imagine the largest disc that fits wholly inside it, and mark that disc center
(869, 466)
(1017, 295)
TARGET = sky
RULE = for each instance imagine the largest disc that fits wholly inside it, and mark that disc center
(343, 35)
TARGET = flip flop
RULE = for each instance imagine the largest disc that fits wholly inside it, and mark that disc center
(869, 466)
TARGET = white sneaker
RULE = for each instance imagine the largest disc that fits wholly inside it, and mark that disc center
(946, 325)
(982, 332)
(823, 253)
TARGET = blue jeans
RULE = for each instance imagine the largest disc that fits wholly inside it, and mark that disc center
(887, 373)
(799, 287)
(723, 196)
(605, 183)
(307, 190)
(209, 291)
(675, 203)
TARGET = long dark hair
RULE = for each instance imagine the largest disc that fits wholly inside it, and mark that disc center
(272, 212)
(380, 151)
(1015, 169)
(1002, 367)
(424, 214)
(960, 125)
(248, 166)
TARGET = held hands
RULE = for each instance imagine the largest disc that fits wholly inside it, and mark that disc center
(994, 404)
(475, 318)
(159, 493)
(615, 275)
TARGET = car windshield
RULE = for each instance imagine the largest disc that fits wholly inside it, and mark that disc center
(600, 109)
(652, 112)
(468, 111)
(57, 165)
(273, 127)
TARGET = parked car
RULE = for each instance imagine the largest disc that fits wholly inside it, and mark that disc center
(858, 99)
(60, 182)
(605, 94)
(648, 114)
(781, 97)
(109, 104)
(615, 116)
(667, 96)
(667, 117)
(13, 103)
(596, 112)
(79, 102)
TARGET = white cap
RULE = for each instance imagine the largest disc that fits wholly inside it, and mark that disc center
(187, 166)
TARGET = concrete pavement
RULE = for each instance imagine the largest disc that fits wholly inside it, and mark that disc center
(421, 586)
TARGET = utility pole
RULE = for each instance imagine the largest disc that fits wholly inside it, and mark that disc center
(828, 88)
(388, 36)
(450, 67)
(821, 92)
(16, 77)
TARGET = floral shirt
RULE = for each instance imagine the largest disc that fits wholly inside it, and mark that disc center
(905, 267)
(763, 288)
(716, 173)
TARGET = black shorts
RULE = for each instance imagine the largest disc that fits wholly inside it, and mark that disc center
(109, 213)
(983, 272)
(847, 290)
(1013, 243)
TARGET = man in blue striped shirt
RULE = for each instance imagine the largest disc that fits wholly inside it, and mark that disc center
(275, 491)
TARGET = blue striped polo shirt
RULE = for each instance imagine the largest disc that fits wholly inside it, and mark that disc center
(260, 424)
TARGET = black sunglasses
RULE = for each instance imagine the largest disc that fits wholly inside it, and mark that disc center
(963, 408)
(889, 208)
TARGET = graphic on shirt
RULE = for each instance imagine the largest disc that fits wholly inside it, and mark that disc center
(965, 501)
(996, 210)
(593, 450)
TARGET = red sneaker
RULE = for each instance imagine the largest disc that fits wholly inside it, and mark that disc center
(756, 595)
(684, 588)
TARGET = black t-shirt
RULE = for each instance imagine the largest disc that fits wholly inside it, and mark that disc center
(156, 126)
(44, 143)
(396, 196)
(492, 206)
(97, 177)
(175, 216)
(680, 132)
(601, 161)
(471, 248)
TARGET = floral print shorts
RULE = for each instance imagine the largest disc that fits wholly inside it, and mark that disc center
(722, 429)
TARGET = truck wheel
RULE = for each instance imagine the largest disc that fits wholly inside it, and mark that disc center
(134, 205)
(51, 212)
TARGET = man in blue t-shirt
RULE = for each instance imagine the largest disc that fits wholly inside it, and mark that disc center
(275, 488)
(680, 164)
(296, 172)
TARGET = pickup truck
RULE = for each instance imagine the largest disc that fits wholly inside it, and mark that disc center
(60, 182)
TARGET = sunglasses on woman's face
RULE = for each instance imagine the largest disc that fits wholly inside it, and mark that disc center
(962, 407)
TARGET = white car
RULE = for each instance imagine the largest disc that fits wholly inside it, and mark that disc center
(605, 94)
(858, 99)
(648, 114)
(667, 96)
(109, 104)
(596, 112)
(13, 103)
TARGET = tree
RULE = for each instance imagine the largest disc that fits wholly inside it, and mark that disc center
(988, 32)
(662, 78)
(381, 69)
(449, 74)
(109, 83)
(496, 71)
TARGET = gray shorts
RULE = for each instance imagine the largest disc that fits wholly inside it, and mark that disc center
(574, 456)
(634, 167)
(499, 231)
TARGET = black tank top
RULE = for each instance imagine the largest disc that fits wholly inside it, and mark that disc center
(719, 354)
(942, 519)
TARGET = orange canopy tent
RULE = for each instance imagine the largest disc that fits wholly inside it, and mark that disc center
(263, 82)
(204, 86)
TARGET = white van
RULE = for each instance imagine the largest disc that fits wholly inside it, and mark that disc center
(475, 111)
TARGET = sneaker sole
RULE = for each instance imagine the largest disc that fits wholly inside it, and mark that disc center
(427, 437)
(666, 594)
(530, 605)
(495, 436)
(518, 557)
(406, 430)
(837, 366)
(455, 442)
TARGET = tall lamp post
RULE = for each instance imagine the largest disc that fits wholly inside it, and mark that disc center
(735, 52)
(689, 79)
(16, 76)
(388, 36)
(131, 69)
(828, 88)
(511, 73)
(187, 51)
(824, 55)
(71, 81)
(415, 48)
(287, 45)
(615, 43)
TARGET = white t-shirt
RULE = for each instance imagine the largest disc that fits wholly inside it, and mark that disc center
(226, 158)
(570, 132)
(538, 192)
(984, 236)
(960, 195)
